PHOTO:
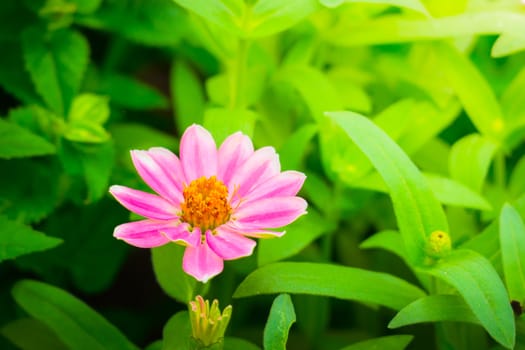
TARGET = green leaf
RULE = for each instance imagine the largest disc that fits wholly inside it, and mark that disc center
(512, 104)
(187, 94)
(75, 323)
(225, 14)
(329, 280)
(232, 343)
(470, 159)
(417, 210)
(478, 283)
(85, 131)
(17, 239)
(129, 136)
(177, 332)
(296, 146)
(90, 108)
(87, 6)
(56, 62)
(473, 91)
(281, 318)
(391, 342)
(222, 122)
(415, 5)
(388, 240)
(298, 235)
(16, 141)
(167, 265)
(41, 337)
(508, 43)
(434, 308)
(512, 241)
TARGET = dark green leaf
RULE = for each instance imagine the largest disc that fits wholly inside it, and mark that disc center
(392, 342)
(16, 141)
(330, 280)
(17, 239)
(281, 318)
(75, 323)
(231, 343)
(41, 337)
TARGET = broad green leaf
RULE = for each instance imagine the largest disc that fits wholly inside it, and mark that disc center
(17, 239)
(298, 235)
(512, 241)
(295, 147)
(89, 107)
(226, 14)
(391, 342)
(156, 345)
(387, 240)
(177, 332)
(434, 308)
(417, 210)
(470, 159)
(187, 95)
(415, 5)
(281, 318)
(329, 280)
(87, 6)
(269, 17)
(129, 136)
(74, 322)
(41, 337)
(222, 122)
(85, 131)
(16, 141)
(478, 283)
(167, 265)
(56, 62)
(232, 343)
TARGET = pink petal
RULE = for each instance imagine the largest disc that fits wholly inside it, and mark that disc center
(228, 244)
(263, 164)
(198, 153)
(201, 262)
(269, 212)
(162, 171)
(145, 204)
(181, 234)
(233, 152)
(142, 234)
(285, 184)
(257, 233)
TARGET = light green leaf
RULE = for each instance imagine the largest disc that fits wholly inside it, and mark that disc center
(85, 131)
(187, 94)
(434, 308)
(295, 147)
(87, 6)
(56, 62)
(478, 283)
(16, 141)
(90, 108)
(232, 343)
(329, 280)
(226, 14)
(473, 91)
(512, 241)
(281, 318)
(42, 338)
(415, 5)
(512, 104)
(298, 235)
(75, 323)
(470, 159)
(391, 342)
(17, 239)
(508, 43)
(177, 332)
(516, 185)
(417, 210)
(222, 122)
(167, 265)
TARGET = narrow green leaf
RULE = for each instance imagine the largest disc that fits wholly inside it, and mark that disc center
(415, 5)
(508, 43)
(388, 240)
(232, 343)
(17, 239)
(512, 241)
(478, 283)
(473, 91)
(16, 141)
(90, 107)
(223, 122)
(56, 62)
(75, 323)
(187, 94)
(512, 104)
(329, 280)
(417, 210)
(167, 265)
(280, 320)
(391, 342)
(470, 159)
(434, 308)
(42, 338)
(177, 332)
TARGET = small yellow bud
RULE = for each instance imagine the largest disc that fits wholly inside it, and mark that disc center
(438, 244)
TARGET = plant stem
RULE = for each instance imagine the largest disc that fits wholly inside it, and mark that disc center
(237, 76)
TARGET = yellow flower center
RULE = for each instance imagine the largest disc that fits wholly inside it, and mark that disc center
(205, 203)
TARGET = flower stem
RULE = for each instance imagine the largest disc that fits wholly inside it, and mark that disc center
(237, 76)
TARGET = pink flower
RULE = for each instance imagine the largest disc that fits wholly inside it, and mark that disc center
(211, 200)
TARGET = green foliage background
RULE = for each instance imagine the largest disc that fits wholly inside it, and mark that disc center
(442, 86)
